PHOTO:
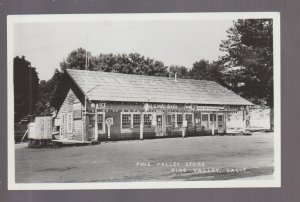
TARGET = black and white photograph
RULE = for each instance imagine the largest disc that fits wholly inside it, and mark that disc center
(144, 101)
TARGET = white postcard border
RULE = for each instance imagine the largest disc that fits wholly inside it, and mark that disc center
(276, 182)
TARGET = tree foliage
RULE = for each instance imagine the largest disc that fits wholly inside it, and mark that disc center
(132, 63)
(249, 59)
(49, 94)
(204, 70)
(26, 84)
(180, 71)
(75, 60)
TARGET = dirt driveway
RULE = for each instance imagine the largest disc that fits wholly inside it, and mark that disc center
(192, 158)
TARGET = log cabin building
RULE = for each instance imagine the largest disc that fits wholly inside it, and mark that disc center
(100, 106)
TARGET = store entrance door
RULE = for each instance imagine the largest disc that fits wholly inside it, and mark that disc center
(221, 123)
(159, 125)
(90, 132)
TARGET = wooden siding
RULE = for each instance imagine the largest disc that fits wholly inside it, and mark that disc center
(77, 124)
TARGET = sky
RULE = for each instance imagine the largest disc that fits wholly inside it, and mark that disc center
(174, 42)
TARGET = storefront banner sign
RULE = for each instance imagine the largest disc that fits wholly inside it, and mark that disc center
(162, 106)
(207, 108)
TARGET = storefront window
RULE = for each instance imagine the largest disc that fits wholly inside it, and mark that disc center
(189, 119)
(136, 120)
(204, 117)
(147, 120)
(179, 120)
(100, 122)
(169, 119)
(126, 120)
(213, 117)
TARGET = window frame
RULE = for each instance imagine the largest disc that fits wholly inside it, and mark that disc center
(193, 121)
(179, 124)
(174, 120)
(208, 120)
(151, 115)
(208, 125)
(133, 122)
(103, 123)
(77, 106)
(128, 130)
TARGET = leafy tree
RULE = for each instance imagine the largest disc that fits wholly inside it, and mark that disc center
(181, 71)
(54, 84)
(48, 94)
(200, 70)
(132, 63)
(204, 70)
(249, 60)
(26, 82)
(75, 60)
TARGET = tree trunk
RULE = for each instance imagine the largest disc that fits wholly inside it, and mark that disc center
(271, 119)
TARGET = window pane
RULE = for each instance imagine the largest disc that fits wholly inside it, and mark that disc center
(220, 118)
(126, 120)
(136, 120)
(100, 118)
(77, 111)
(213, 117)
(169, 119)
(179, 119)
(147, 120)
(189, 119)
(100, 121)
(204, 117)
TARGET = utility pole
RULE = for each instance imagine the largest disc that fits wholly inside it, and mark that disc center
(85, 90)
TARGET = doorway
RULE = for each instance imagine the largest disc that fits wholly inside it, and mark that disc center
(90, 124)
(159, 125)
(205, 121)
(221, 123)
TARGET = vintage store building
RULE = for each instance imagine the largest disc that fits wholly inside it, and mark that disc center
(125, 106)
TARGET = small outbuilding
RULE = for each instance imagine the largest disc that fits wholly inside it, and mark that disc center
(101, 106)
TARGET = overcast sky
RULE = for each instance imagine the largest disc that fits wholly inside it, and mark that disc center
(45, 45)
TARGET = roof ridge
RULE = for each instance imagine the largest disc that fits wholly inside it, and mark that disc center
(143, 75)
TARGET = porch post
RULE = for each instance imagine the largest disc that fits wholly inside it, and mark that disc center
(183, 127)
(164, 129)
(142, 126)
(85, 127)
(96, 123)
(213, 124)
(245, 122)
(217, 122)
(225, 127)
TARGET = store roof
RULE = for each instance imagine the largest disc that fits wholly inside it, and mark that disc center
(106, 86)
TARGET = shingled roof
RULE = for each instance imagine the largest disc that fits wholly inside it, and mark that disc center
(107, 86)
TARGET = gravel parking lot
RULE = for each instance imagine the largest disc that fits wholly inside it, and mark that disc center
(169, 159)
